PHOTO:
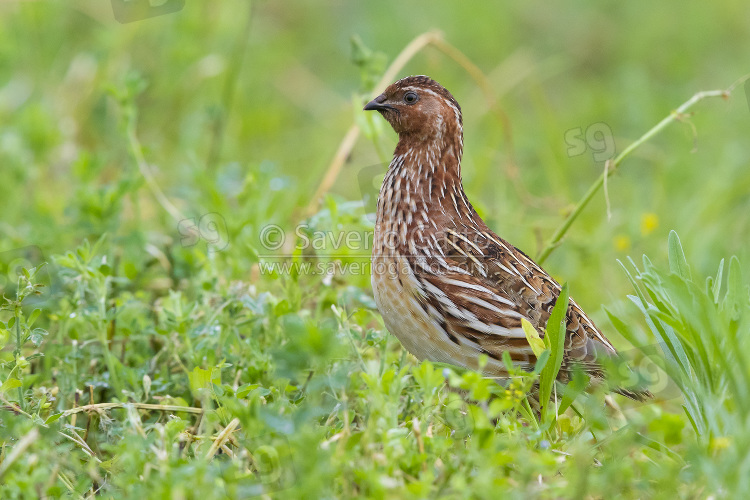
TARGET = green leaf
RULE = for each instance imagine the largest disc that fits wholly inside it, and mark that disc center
(634, 336)
(717, 282)
(201, 379)
(52, 418)
(97, 246)
(677, 262)
(698, 431)
(665, 334)
(573, 389)
(130, 270)
(507, 361)
(541, 361)
(637, 289)
(735, 296)
(37, 336)
(9, 385)
(33, 317)
(555, 337)
(218, 389)
(535, 341)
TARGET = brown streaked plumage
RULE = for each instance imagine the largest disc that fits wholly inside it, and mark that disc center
(447, 286)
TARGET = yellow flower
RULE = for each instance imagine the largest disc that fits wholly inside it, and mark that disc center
(622, 243)
(649, 222)
(720, 443)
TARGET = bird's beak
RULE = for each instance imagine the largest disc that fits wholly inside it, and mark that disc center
(377, 104)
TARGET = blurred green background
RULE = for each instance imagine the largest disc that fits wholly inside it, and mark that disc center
(238, 110)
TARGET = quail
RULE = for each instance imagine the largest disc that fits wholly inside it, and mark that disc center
(447, 286)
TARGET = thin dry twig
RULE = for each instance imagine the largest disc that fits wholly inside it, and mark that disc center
(222, 438)
(68, 484)
(139, 406)
(81, 443)
(77, 439)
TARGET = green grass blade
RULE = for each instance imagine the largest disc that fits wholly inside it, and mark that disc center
(555, 336)
(677, 262)
(717, 282)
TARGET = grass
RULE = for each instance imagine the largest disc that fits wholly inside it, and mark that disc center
(159, 340)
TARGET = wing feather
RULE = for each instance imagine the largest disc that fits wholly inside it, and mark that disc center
(478, 292)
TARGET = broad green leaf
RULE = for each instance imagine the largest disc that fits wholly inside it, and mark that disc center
(555, 336)
(541, 361)
(52, 418)
(10, 384)
(203, 379)
(37, 336)
(33, 317)
(535, 341)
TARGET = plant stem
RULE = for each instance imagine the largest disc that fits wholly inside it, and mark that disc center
(17, 351)
(140, 406)
(613, 164)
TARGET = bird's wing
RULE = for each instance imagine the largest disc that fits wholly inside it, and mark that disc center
(478, 289)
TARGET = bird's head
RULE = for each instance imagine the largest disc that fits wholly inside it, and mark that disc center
(419, 107)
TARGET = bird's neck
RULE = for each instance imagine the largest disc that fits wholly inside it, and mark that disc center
(440, 150)
(423, 183)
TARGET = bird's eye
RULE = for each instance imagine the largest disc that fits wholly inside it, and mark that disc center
(411, 97)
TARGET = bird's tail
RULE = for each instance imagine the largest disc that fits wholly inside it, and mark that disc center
(635, 394)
